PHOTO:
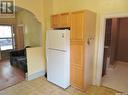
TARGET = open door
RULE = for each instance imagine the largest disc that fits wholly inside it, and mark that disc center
(107, 45)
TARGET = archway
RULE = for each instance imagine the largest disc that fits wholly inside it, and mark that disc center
(30, 28)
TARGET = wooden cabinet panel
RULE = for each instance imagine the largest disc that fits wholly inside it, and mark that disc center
(55, 21)
(65, 20)
(77, 60)
(77, 25)
(77, 56)
(77, 79)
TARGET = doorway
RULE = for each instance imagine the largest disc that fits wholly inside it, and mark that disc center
(9, 75)
(115, 60)
(25, 33)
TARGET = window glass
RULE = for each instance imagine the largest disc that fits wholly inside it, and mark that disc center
(5, 31)
(6, 41)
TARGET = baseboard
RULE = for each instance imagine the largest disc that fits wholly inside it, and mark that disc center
(36, 75)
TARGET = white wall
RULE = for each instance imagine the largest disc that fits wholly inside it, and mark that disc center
(35, 62)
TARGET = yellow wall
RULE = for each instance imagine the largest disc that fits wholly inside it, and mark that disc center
(99, 6)
(48, 9)
(70, 5)
(36, 7)
(32, 28)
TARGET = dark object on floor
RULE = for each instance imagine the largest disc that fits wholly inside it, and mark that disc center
(45, 75)
(15, 54)
(18, 58)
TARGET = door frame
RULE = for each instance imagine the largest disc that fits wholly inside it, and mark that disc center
(100, 50)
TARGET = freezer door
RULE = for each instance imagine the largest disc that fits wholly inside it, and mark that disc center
(58, 39)
(58, 68)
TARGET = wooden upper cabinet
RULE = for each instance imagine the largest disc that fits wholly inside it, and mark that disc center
(77, 25)
(55, 21)
(60, 20)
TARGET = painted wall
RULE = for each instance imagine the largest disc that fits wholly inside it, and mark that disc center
(32, 28)
(70, 5)
(36, 67)
(99, 6)
(48, 10)
(37, 8)
(33, 6)
(122, 47)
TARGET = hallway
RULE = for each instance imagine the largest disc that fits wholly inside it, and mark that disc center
(9, 75)
(117, 77)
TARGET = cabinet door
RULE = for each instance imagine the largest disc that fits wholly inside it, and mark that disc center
(77, 78)
(77, 66)
(55, 21)
(77, 25)
(64, 20)
(77, 54)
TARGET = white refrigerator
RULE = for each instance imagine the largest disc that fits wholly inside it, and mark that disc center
(58, 57)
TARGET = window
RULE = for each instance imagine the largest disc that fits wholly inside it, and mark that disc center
(6, 38)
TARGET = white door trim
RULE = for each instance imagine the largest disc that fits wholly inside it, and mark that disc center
(101, 35)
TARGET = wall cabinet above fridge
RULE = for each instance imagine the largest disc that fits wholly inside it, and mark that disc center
(60, 20)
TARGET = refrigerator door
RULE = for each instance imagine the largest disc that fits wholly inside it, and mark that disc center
(58, 39)
(58, 68)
